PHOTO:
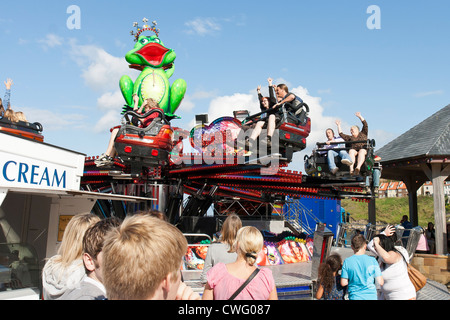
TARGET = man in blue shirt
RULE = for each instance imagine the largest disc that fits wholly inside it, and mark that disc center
(360, 271)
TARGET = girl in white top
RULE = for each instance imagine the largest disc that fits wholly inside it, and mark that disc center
(397, 285)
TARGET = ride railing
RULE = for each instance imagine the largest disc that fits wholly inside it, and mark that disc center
(193, 263)
(300, 217)
(301, 113)
(369, 144)
(408, 238)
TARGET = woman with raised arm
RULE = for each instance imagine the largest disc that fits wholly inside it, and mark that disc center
(357, 149)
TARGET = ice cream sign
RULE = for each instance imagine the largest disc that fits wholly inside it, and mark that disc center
(29, 164)
(29, 174)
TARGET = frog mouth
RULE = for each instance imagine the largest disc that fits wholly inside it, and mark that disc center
(153, 53)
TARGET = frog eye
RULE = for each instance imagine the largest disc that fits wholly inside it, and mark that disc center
(144, 41)
(157, 40)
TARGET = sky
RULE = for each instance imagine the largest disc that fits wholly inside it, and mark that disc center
(385, 59)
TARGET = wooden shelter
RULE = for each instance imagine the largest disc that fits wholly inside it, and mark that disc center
(422, 154)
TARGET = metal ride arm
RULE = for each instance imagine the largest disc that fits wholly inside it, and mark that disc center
(199, 204)
(143, 116)
(175, 200)
(256, 115)
(370, 144)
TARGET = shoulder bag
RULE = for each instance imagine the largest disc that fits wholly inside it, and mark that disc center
(417, 278)
(244, 284)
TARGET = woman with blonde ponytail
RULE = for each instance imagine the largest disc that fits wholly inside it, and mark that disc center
(224, 280)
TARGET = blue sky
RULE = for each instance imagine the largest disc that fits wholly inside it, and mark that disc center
(67, 79)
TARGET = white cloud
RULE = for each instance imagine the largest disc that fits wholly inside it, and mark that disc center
(50, 41)
(428, 93)
(189, 101)
(381, 137)
(110, 103)
(319, 121)
(110, 119)
(225, 105)
(100, 70)
(54, 121)
(111, 100)
(202, 26)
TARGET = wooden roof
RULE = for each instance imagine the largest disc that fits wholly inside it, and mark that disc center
(429, 138)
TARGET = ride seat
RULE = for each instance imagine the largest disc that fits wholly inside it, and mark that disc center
(297, 116)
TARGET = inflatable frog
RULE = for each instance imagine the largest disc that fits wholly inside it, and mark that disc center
(156, 63)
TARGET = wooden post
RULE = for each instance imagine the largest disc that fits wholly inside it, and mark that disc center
(372, 212)
(438, 173)
(439, 206)
(412, 185)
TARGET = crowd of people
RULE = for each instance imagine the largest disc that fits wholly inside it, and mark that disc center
(381, 276)
(6, 112)
(141, 258)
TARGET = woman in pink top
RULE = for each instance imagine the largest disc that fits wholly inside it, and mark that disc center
(225, 279)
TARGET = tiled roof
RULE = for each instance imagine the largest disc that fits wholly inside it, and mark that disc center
(383, 186)
(393, 185)
(401, 185)
(431, 137)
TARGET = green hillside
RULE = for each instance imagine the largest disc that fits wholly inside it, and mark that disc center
(391, 210)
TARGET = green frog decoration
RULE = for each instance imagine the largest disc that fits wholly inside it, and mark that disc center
(156, 63)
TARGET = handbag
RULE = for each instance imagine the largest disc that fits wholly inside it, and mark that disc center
(244, 284)
(417, 278)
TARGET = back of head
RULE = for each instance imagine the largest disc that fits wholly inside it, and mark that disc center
(153, 213)
(95, 235)
(283, 87)
(327, 269)
(21, 116)
(151, 103)
(10, 115)
(387, 243)
(139, 255)
(334, 261)
(249, 242)
(230, 229)
(358, 242)
(72, 241)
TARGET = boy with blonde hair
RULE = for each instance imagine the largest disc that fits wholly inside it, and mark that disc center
(142, 261)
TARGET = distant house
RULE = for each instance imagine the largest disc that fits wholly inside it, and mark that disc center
(447, 188)
(392, 189)
(398, 189)
(382, 190)
(427, 189)
(401, 190)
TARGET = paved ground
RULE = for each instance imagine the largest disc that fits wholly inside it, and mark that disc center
(433, 291)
